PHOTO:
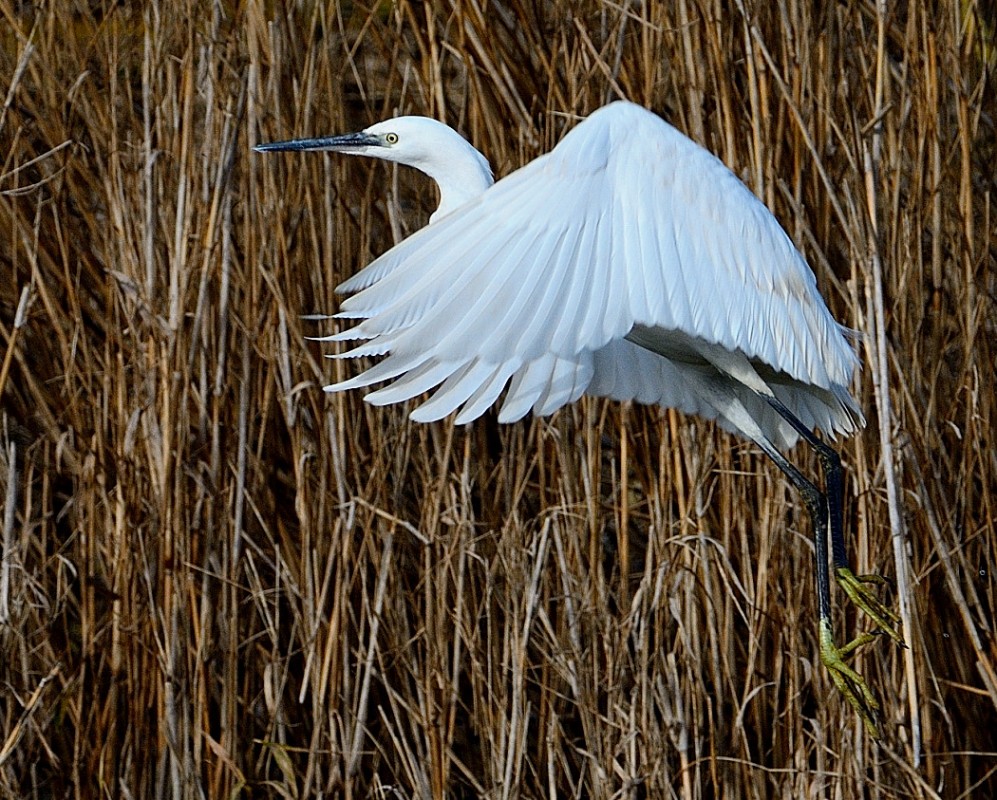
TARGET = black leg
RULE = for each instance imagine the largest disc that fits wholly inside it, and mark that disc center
(830, 462)
(855, 586)
(817, 505)
(849, 682)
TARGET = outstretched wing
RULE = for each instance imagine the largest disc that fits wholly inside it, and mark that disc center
(625, 223)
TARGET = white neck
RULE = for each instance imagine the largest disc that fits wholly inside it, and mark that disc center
(464, 176)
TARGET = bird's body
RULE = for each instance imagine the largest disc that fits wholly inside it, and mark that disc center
(601, 267)
(629, 263)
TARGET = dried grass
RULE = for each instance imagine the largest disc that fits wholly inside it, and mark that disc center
(218, 581)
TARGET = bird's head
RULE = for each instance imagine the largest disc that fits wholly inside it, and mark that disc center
(436, 149)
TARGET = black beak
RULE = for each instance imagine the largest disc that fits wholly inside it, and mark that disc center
(345, 143)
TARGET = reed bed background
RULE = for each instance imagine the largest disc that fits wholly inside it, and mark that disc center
(218, 581)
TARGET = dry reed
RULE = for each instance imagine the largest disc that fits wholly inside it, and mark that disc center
(218, 581)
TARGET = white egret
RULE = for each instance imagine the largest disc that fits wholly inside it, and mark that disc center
(628, 263)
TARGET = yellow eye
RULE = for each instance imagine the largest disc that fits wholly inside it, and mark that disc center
(391, 138)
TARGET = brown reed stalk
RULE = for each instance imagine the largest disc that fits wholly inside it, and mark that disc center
(218, 581)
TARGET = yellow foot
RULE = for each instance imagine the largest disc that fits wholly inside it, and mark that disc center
(858, 591)
(849, 682)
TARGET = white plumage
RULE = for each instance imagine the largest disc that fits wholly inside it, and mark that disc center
(628, 262)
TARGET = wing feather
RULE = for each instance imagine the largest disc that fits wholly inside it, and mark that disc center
(412, 383)
(576, 313)
(515, 317)
(455, 391)
(568, 381)
(526, 388)
(383, 371)
(487, 394)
